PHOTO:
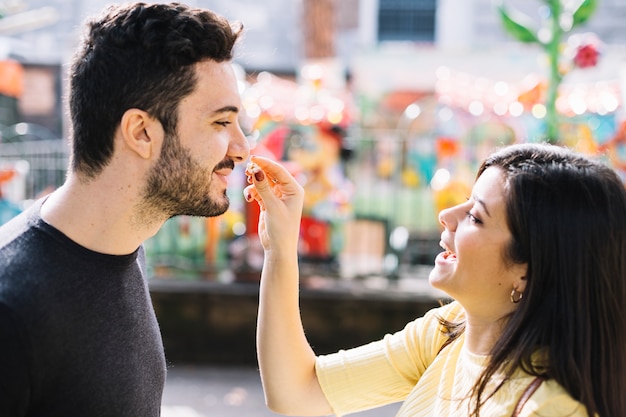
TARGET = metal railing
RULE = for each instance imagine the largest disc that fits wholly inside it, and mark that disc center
(39, 166)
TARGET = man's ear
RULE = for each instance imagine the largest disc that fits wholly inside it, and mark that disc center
(141, 133)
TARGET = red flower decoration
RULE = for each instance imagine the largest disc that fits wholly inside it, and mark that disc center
(587, 55)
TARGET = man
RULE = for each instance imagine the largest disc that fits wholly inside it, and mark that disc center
(154, 109)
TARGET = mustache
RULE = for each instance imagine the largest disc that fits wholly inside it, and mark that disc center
(226, 163)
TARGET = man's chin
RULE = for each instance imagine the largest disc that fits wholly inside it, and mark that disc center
(214, 208)
(209, 207)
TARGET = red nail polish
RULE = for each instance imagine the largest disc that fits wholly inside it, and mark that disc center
(259, 176)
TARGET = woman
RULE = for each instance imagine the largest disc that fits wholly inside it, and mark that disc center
(535, 261)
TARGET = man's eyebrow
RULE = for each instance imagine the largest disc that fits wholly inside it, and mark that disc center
(225, 109)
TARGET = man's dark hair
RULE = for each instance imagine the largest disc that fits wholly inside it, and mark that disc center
(138, 56)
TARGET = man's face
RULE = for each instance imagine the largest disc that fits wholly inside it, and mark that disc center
(190, 176)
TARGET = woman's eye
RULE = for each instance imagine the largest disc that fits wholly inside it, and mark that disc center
(472, 218)
(223, 124)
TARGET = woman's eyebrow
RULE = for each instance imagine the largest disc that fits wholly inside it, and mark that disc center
(482, 203)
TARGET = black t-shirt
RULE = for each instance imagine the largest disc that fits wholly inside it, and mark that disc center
(78, 334)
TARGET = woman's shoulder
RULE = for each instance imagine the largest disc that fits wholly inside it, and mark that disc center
(427, 333)
(551, 400)
(451, 312)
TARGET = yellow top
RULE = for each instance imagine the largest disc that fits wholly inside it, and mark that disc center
(405, 367)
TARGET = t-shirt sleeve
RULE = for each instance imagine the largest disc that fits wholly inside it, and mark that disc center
(14, 368)
(385, 371)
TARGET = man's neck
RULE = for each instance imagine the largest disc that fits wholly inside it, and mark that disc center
(98, 214)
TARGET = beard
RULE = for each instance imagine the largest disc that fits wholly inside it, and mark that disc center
(178, 185)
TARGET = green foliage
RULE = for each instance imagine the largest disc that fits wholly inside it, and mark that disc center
(584, 11)
(515, 24)
(519, 26)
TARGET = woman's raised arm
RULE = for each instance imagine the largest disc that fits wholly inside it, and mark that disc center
(286, 360)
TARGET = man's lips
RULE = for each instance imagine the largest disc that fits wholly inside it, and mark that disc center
(222, 175)
(224, 168)
(225, 172)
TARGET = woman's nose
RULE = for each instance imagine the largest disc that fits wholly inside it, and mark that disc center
(448, 219)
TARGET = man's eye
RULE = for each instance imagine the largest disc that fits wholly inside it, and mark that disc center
(223, 124)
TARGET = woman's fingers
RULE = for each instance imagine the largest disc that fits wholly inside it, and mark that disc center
(273, 184)
(251, 194)
(275, 172)
(280, 198)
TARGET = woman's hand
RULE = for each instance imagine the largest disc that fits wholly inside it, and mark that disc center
(280, 198)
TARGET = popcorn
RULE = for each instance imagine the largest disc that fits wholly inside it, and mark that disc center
(251, 169)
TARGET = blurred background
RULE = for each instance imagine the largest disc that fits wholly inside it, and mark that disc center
(381, 108)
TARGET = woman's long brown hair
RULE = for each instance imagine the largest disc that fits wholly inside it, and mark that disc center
(567, 217)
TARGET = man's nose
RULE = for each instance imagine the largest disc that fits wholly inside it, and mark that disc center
(239, 148)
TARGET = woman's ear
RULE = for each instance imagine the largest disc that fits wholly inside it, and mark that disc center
(520, 283)
(141, 133)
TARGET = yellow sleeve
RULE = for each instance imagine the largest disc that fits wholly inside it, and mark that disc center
(385, 371)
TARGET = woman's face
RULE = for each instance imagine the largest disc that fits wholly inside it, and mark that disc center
(473, 269)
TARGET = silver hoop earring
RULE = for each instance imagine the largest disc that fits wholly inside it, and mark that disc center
(515, 298)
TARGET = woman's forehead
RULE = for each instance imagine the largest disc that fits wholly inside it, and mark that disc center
(489, 190)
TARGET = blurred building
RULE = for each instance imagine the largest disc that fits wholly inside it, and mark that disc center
(368, 38)
(276, 37)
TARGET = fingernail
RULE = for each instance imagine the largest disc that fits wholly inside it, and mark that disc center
(259, 176)
(247, 196)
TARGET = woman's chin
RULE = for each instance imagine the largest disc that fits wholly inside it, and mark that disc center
(439, 276)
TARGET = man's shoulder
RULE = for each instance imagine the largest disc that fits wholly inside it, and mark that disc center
(12, 232)
(19, 243)
(22, 259)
